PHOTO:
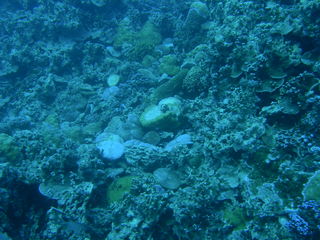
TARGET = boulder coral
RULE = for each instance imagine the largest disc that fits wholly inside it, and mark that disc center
(165, 115)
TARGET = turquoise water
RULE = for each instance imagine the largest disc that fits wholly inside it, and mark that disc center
(128, 119)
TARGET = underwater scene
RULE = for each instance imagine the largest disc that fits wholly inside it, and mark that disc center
(159, 120)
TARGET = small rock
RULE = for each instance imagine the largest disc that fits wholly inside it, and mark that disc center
(110, 145)
(167, 178)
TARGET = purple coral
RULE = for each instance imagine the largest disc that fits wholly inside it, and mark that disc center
(298, 225)
(305, 223)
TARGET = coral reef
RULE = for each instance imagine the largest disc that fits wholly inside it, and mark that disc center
(142, 119)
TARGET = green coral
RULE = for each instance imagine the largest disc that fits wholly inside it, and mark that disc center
(9, 151)
(52, 119)
(146, 39)
(149, 35)
(125, 33)
(201, 8)
(137, 43)
(169, 65)
(195, 81)
(169, 88)
(118, 188)
(311, 190)
(236, 217)
(165, 115)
